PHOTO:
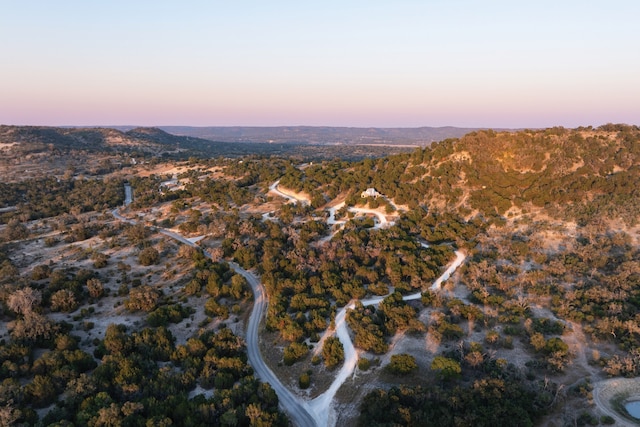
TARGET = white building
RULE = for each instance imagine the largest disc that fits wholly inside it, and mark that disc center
(370, 192)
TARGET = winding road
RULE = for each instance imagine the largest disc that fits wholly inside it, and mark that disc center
(317, 412)
(322, 405)
(297, 409)
(290, 197)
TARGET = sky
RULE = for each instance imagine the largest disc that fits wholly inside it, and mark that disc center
(360, 63)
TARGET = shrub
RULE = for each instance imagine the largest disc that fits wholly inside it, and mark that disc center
(214, 308)
(607, 420)
(143, 298)
(63, 300)
(148, 256)
(364, 364)
(193, 287)
(445, 367)
(95, 288)
(304, 381)
(100, 260)
(40, 272)
(332, 352)
(294, 352)
(402, 364)
(50, 241)
(123, 290)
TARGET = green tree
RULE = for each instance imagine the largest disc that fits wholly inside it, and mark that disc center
(332, 352)
(148, 256)
(294, 352)
(446, 368)
(142, 298)
(304, 381)
(402, 364)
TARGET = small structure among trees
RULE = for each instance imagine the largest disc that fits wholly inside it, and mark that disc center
(370, 192)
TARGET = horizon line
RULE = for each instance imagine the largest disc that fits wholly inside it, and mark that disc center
(317, 126)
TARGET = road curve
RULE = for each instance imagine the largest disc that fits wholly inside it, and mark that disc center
(321, 405)
(291, 198)
(606, 390)
(298, 411)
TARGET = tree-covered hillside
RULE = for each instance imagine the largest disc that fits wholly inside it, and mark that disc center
(575, 174)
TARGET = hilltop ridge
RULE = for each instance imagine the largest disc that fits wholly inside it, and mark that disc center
(32, 139)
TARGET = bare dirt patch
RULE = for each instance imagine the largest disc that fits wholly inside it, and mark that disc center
(272, 348)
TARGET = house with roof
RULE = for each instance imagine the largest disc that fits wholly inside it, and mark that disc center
(370, 192)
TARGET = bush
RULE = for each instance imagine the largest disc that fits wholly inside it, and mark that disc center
(99, 260)
(148, 256)
(95, 288)
(193, 287)
(450, 331)
(214, 308)
(364, 364)
(402, 364)
(63, 300)
(123, 290)
(50, 241)
(173, 313)
(294, 352)
(40, 272)
(143, 298)
(446, 368)
(332, 352)
(304, 381)
(607, 420)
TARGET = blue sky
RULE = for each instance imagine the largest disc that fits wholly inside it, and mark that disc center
(348, 63)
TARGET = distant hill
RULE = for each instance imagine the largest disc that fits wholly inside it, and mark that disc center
(34, 139)
(302, 142)
(322, 135)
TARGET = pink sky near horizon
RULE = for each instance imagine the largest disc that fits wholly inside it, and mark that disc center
(410, 64)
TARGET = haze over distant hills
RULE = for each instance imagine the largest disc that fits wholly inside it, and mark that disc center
(197, 137)
(321, 134)
(304, 142)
